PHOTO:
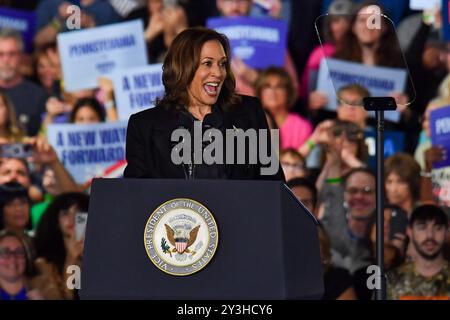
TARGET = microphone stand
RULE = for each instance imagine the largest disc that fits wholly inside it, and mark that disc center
(379, 105)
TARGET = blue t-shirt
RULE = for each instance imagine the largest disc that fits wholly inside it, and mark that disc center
(21, 295)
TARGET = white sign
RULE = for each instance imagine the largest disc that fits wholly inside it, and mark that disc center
(91, 53)
(89, 150)
(380, 81)
(424, 4)
(136, 89)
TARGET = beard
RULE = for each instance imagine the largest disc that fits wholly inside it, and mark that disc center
(7, 74)
(423, 253)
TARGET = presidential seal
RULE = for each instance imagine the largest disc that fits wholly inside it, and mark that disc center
(181, 237)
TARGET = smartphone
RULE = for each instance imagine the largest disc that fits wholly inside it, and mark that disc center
(399, 222)
(16, 150)
(80, 225)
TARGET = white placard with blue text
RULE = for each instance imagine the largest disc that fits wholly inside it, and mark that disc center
(91, 53)
(136, 89)
(88, 150)
(380, 81)
(424, 4)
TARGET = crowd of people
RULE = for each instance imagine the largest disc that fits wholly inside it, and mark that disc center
(324, 154)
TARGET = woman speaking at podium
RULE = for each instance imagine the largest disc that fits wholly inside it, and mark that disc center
(200, 95)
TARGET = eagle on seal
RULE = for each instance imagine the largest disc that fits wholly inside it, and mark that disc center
(179, 239)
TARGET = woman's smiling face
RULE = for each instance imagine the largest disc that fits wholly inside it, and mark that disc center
(205, 87)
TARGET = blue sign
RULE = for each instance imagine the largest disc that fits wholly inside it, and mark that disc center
(90, 53)
(440, 133)
(137, 89)
(394, 141)
(259, 42)
(379, 81)
(88, 150)
(21, 21)
(446, 19)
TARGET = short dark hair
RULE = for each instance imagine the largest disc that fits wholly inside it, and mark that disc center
(303, 182)
(91, 103)
(356, 170)
(429, 212)
(8, 192)
(406, 167)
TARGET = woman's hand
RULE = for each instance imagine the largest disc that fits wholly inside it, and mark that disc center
(317, 100)
(55, 107)
(434, 154)
(242, 70)
(43, 152)
(155, 27)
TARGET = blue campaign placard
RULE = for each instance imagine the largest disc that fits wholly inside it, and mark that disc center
(440, 133)
(90, 53)
(21, 21)
(136, 89)
(89, 150)
(379, 81)
(394, 141)
(259, 42)
(446, 19)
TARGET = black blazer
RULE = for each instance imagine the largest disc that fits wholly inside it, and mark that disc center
(149, 145)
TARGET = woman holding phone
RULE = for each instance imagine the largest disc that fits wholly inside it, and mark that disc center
(57, 246)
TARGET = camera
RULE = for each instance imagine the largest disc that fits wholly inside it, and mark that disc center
(379, 103)
(16, 150)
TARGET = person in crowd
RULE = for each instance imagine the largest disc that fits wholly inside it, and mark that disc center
(338, 282)
(47, 73)
(305, 191)
(402, 181)
(335, 27)
(163, 21)
(349, 206)
(15, 208)
(427, 276)
(344, 148)
(10, 131)
(17, 169)
(87, 110)
(274, 89)
(52, 15)
(245, 75)
(27, 97)
(57, 246)
(371, 47)
(350, 105)
(293, 164)
(16, 269)
(199, 62)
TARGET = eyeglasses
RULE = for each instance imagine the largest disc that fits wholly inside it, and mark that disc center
(236, 1)
(9, 54)
(292, 166)
(364, 191)
(5, 253)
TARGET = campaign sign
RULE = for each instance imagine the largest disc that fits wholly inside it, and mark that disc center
(379, 81)
(90, 53)
(137, 89)
(394, 141)
(88, 150)
(440, 133)
(259, 42)
(446, 19)
(21, 21)
(424, 4)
